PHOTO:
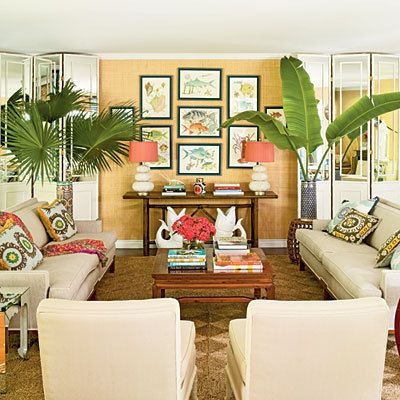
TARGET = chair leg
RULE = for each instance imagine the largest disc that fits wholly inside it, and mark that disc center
(193, 393)
(302, 265)
(228, 388)
(111, 268)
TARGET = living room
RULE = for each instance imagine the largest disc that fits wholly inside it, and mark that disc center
(199, 202)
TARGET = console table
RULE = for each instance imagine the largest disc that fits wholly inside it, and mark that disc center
(202, 204)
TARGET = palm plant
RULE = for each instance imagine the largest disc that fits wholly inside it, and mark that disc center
(303, 131)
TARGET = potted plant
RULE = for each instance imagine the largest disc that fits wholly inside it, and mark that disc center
(303, 130)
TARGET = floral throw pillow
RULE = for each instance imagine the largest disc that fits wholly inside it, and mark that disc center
(59, 223)
(355, 226)
(395, 261)
(17, 252)
(5, 216)
(364, 206)
(387, 249)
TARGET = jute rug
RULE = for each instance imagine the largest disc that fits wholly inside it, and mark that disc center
(132, 280)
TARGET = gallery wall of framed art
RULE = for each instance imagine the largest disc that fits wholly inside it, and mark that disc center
(191, 120)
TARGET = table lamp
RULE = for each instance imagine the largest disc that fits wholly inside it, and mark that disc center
(141, 152)
(259, 152)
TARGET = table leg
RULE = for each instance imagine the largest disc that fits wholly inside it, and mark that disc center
(156, 291)
(146, 223)
(255, 222)
(3, 386)
(257, 293)
(23, 331)
(270, 292)
(162, 293)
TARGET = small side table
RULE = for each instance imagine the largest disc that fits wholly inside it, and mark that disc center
(292, 243)
(12, 302)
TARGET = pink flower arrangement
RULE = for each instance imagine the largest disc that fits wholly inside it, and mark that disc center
(191, 228)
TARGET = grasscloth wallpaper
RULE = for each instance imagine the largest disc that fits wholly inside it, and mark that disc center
(119, 83)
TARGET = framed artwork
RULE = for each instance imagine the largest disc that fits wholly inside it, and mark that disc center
(236, 135)
(127, 110)
(162, 134)
(199, 83)
(242, 94)
(276, 112)
(199, 159)
(199, 122)
(156, 97)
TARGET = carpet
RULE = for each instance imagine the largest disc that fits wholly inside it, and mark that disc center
(132, 280)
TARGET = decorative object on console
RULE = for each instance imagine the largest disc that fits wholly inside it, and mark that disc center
(228, 189)
(238, 135)
(59, 223)
(143, 152)
(199, 186)
(355, 226)
(242, 94)
(17, 252)
(199, 159)
(276, 112)
(387, 249)
(226, 223)
(303, 132)
(175, 240)
(162, 135)
(199, 122)
(199, 83)
(156, 97)
(259, 152)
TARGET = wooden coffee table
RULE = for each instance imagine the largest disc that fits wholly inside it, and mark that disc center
(208, 279)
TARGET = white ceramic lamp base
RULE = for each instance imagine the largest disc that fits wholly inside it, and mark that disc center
(259, 183)
(142, 184)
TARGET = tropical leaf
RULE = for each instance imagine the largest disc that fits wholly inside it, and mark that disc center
(300, 104)
(360, 113)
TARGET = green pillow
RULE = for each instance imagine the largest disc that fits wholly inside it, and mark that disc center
(395, 261)
(364, 206)
(387, 249)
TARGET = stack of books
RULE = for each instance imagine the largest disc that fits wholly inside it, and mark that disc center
(231, 246)
(186, 259)
(250, 262)
(228, 189)
(174, 190)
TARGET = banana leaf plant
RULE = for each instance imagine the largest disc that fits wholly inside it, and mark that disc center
(303, 130)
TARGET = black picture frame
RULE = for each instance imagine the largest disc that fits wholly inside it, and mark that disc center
(229, 139)
(188, 98)
(266, 108)
(201, 173)
(231, 77)
(180, 133)
(170, 79)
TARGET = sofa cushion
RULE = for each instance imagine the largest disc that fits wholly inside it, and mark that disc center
(68, 272)
(320, 243)
(355, 272)
(108, 238)
(237, 337)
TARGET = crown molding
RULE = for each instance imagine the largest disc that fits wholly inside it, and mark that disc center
(190, 56)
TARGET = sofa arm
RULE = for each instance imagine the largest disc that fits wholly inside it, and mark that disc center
(89, 226)
(38, 283)
(390, 286)
(320, 224)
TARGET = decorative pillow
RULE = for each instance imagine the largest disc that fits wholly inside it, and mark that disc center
(355, 226)
(387, 249)
(17, 252)
(395, 261)
(5, 216)
(58, 221)
(364, 206)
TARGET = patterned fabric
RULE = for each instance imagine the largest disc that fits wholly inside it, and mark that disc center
(5, 216)
(364, 206)
(387, 249)
(17, 252)
(58, 221)
(355, 226)
(88, 246)
(395, 261)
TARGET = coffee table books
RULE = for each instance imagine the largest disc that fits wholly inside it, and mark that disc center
(248, 262)
(186, 259)
(228, 189)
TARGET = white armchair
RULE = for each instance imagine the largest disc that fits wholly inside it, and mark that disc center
(310, 350)
(121, 350)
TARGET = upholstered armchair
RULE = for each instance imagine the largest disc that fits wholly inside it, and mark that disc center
(121, 350)
(299, 350)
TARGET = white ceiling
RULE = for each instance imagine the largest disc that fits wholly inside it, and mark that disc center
(201, 26)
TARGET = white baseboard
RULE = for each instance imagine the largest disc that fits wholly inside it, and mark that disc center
(138, 244)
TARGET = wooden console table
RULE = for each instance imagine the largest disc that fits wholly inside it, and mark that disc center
(202, 204)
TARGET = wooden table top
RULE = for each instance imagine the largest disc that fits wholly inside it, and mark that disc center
(161, 272)
(156, 195)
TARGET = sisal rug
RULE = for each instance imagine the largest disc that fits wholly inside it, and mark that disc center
(132, 280)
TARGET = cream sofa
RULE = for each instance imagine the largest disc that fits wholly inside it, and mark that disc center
(347, 271)
(71, 276)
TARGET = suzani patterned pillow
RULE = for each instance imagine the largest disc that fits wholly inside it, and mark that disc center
(395, 261)
(355, 226)
(5, 216)
(387, 249)
(17, 252)
(58, 221)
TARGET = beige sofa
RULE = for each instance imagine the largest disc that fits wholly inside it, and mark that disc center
(71, 276)
(347, 270)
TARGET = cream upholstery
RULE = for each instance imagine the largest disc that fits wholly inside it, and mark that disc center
(308, 350)
(125, 350)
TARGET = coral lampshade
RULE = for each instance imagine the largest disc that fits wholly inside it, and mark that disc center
(143, 152)
(259, 152)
